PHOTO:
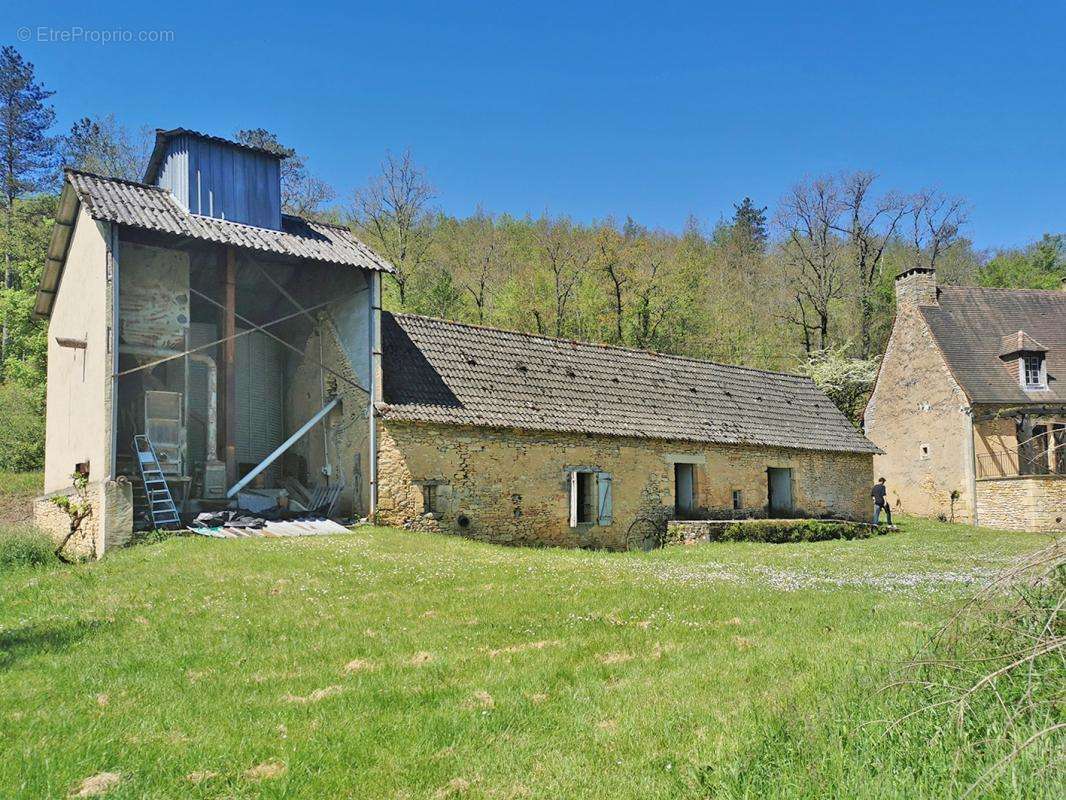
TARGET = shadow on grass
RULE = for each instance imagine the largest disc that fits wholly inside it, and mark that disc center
(35, 639)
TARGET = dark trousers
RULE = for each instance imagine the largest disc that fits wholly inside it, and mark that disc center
(878, 508)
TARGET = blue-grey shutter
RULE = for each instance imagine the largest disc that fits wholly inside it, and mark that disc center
(603, 485)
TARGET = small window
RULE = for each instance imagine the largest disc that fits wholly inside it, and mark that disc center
(924, 451)
(738, 499)
(590, 498)
(429, 498)
(1033, 371)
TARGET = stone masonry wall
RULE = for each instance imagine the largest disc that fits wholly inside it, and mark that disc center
(1032, 503)
(109, 526)
(513, 486)
(917, 416)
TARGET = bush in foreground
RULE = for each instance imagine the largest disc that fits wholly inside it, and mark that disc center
(24, 546)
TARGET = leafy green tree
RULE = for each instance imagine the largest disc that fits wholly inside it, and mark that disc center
(1041, 265)
(28, 154)
(102, 145)
(21, 428)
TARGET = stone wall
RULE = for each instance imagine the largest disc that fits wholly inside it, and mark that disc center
(1030, 503)
(109, 526)
(513, 486)
(918, 416)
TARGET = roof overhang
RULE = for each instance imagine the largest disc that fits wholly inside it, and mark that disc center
(58, 246)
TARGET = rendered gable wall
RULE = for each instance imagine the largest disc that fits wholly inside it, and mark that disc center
(78, 410)
(917, 416)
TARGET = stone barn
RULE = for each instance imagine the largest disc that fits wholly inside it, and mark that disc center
(525, 439)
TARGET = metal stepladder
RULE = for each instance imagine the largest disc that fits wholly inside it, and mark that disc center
(161, 508)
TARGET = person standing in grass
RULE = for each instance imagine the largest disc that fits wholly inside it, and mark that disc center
(880, 495)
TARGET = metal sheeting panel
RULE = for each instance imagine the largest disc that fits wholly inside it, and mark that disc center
(237, 184)
(260, 400)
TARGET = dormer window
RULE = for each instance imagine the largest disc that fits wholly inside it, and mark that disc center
(1027, 359)
(1033, 373)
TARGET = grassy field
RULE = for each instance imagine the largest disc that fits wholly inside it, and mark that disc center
(394, 664)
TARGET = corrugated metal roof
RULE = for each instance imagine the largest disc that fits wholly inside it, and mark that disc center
(446, 372)
(152, 208)
(970, 325)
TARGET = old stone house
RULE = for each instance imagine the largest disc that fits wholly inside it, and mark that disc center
(527, 439)
(969, 407)
(250, 347)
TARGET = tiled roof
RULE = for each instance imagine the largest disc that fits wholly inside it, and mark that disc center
(970, 324)
(1020, 342)
(446, 372)
(151, 208)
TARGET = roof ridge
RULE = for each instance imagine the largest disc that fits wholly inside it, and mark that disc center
(167, 192)
(1052, 292)
(620, 348)
(113, 179)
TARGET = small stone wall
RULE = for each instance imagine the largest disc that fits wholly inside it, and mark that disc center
(109, 526)
(1028, 503)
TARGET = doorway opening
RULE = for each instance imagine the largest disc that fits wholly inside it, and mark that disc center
(779, 491)
(684, 489)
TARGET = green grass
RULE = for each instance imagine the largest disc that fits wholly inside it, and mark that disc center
(472, 670)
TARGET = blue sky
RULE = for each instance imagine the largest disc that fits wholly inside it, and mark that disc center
(656, 110)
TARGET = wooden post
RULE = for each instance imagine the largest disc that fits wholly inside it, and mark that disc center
(229, 360)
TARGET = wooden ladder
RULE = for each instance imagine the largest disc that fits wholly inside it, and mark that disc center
(161, 508)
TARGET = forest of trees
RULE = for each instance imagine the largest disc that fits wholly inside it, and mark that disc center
(805, 286)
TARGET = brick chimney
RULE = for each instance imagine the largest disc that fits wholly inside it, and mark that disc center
(916, 286)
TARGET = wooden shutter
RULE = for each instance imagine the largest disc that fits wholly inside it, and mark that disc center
(603, 485)
(573, 499)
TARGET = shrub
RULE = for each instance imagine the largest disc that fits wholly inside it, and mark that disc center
(24, 546)
(21, 428)
(781, 531)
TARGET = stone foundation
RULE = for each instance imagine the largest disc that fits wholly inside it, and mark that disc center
(109, 526)
(1029, 503)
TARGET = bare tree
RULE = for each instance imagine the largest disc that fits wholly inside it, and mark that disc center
(612, 251)
(302, 193)
(393, 212)
(868, 224)
(650, 258)
(814, 254)
(474, 253)
(566, 253)
(935, 224)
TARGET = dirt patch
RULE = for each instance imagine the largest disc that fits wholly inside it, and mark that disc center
(16, 497)
(200, 777)
(96, 785)
(523, 647)
(268, 769)
(615, 658)
(357, 665)
(315, 696)
(421, 658)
